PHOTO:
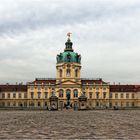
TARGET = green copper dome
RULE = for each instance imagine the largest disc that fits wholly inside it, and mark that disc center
(68, 55)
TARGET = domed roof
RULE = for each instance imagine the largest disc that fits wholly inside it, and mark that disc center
(68, 55)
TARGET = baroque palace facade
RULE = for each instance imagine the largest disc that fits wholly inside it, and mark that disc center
(69, 90)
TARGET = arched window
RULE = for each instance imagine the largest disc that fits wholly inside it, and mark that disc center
(68, 91)
(61, 72)
(97, 95)
(61, 92)
(68, 73)
(75, 92)
(76, 73)
(46, 95)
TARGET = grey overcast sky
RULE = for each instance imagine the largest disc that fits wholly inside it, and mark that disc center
(105, 32)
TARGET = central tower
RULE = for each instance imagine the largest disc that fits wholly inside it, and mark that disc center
(68, 65)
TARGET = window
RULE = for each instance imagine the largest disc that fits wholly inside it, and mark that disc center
(8, 104)
(90, 95)
(20, 104)
(25, 95)
(61, 72)
(122, 95)
(116, 103)
(90, 88)
(104, 88)
(75, 93)
(25, 104)
(97, 103)
(39, 95)
(68, 73)
(3, 103)
(52, 93)
(68, 93)
(14, 95)
(31, 88)
(19, 95)
(110, 95)
(8, 95)
(46, 88)
(110, 104)
(121, 104)
(46, 95)
(133, 104)
(127, 104)
(45, 104)
(97, 95)
(32, 104)
(14, 103)
(104, 95)
(39, 88)
(38, 103)
(32, 95)
(61, 92)
(127, 95)
(90, 104)
(3, 95)
(83, 88)
(76, 73)
(116, 95)
(133, 95)
(97, 88)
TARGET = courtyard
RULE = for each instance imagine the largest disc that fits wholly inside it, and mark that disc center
(96, 124)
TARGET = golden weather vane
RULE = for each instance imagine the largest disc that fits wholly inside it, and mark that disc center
(69, 34)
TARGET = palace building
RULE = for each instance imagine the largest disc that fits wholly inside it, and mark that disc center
(68, 89)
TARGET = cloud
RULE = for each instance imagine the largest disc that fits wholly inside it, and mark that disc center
(105, 32)
(19, 15)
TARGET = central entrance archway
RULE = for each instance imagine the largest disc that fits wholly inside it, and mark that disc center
(68, 96)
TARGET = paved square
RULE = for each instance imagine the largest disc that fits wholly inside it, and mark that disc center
(102, 124)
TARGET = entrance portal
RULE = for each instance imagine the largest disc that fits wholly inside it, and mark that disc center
(68, 92)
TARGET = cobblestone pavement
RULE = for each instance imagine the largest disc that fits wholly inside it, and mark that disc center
(101, 124)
